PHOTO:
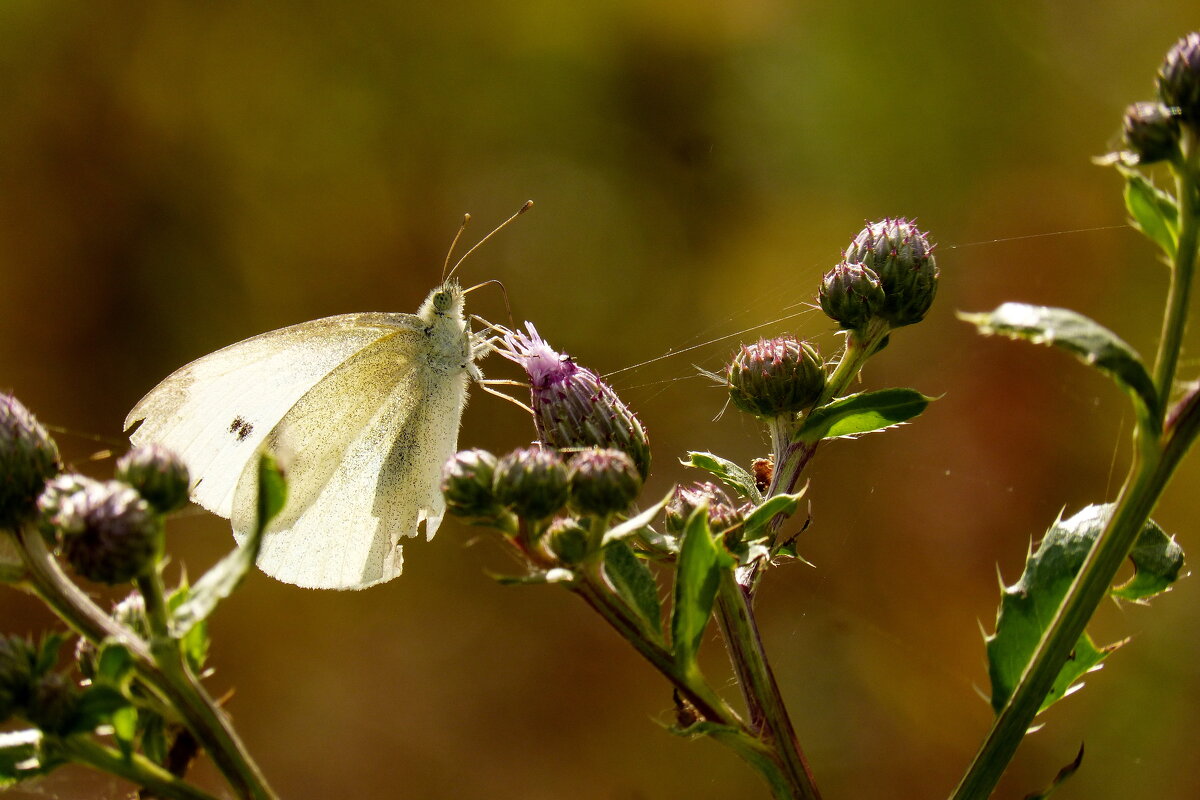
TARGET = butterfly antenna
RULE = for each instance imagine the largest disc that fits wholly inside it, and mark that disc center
(450, 252)
(528, 205)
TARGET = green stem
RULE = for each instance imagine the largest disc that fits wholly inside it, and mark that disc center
(167, 676)
(769, 714)
(136, 769)
(1182, 266)
(1156, 455)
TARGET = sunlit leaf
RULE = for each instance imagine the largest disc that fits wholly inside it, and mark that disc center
(1152, 211)
(633, 582)
(1091, 342)
(697, 577)
(865, 412)
(729, 473)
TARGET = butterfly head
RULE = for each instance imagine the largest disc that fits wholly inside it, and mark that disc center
(444, 301)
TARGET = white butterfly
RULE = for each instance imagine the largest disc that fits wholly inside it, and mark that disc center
(362, 411)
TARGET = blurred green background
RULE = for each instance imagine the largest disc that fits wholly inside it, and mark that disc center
(175, 177)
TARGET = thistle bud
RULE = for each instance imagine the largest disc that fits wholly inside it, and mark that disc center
(467, 486)
(851, 295)
(775, 377)
(158, 475)
(572, 407)
(902, 258)
(109, 534)
(1151, 133)
(567, 541)
(52, 703)
(532, 482)
(1179, 78)
(17, 660)
(603, 481)
(722, 512)
(28, 458)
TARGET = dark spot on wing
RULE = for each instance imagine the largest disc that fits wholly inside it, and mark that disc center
(240, 428)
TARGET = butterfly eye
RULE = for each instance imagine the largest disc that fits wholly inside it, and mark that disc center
(442, 301)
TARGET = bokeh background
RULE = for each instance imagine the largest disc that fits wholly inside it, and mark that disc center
(176, 177)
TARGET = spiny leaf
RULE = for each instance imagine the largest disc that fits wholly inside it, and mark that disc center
(729, 473)
(860, 413)
(634, 584)
(1091, 342)
(220, 581)
(1064, 773)
(1028, 606)
(1157, 561)
(697, 576)
(1152, 211)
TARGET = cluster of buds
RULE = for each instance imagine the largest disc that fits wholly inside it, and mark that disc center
(1153, 130)
(887, 273)
(537, 483)
(112, 531)
(109, 531)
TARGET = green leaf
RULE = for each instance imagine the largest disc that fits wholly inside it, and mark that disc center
(195, 642)
(220, 581)
(21, 757)
(1152, 211)
(729, 473)
(154, 738)
(757, 520)
(697, 576)
(95, 708)
(124, 724)
(1028, 606)
(1157, 561)
(633, 582)
(114, 663)
(47, 653)
(860, 413)
(1091, 342)
(636, 523)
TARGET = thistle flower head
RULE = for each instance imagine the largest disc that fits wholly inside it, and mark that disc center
(572, 407)
(28, 458)
(902, 257)
(775, 377)
(1179, 78)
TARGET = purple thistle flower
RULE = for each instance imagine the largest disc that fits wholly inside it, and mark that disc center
(572, 407)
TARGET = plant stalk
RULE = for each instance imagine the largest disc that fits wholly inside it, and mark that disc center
(136, 769)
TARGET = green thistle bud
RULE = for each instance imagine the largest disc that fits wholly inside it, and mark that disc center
(109, 534)
(532, 482)
(851, 295)
(567, 541)
(603, 481)
(18, 658)
(28, 458)
(572, 407)
(52, 703)
(467, 482)
(775, 377)
(723, 514)
(1179, 78)
(158, 475)
(902, 257)
(1151, 133)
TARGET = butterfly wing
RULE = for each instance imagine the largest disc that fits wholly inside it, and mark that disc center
(216, 411)
(362, 451)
